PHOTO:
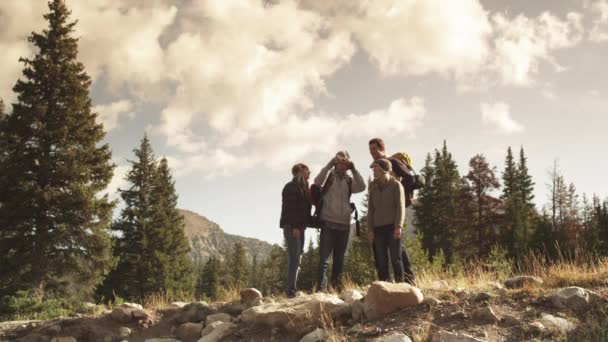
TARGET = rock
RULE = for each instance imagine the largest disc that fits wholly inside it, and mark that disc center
(189, 332)
(556, 324)
(317, 335)
(485, 315)
(358, 311)
(299, 313)
(521, 281)
(132, 306)
(178, 304)
(535, 328)
(511, 320)
(217, 331)
(482, 297)
(384, 298)
(162, 340)
(351, 296)
(64, 339)
(139, 314)
(234, 308)
(394, 337)
(459, 314)
(355, 329)
(446, 336)
(219, 317)
(193, 313)
(88, 305)
(575, 298)
(431, 301)
(54, 329)
(439, 285)
(122, 315)
(124, 332)
(251, 297)
(300, 293)
(35, 338)
(495, 285)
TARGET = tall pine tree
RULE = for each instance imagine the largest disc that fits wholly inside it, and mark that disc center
(238, 266)
(169, 244)
(54, 221)
(135, 272)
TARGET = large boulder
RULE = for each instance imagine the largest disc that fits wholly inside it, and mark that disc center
(521, 281)
(573, 297)
(215, 332)
(189, 332)
(384, 298)
(193, 313)
(251, 297)
(299, 313)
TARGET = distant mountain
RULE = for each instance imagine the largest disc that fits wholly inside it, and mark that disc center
(208, 239)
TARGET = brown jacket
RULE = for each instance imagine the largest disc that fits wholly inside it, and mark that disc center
(386, 204)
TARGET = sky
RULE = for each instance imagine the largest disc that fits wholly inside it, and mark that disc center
(234, 93)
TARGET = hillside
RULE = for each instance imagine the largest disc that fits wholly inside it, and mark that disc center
(208, 239)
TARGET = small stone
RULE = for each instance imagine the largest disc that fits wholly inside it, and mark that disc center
(556, 324)
(132, 306)
(574, 297)
(64, 339)
(439, 285)
(511, 320)
(124, 332)
(219, 317)
(485, 315)
(317, 335)
(355, 329)
(351, 296)
(521, 281)
(446, 336)
(178, 304)
(535, 328)
(394, 337)
(189, 332)
(460, 314)
(217, 331)
(482, 297)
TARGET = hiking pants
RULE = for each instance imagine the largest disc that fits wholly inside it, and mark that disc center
(294, 255)
(336, 241)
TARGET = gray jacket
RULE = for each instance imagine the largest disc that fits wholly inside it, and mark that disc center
(336, 202)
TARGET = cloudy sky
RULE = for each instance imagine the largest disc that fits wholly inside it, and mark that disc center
(233, 92)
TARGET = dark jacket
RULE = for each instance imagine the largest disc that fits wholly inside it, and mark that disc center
(295, 210)
(406, 177)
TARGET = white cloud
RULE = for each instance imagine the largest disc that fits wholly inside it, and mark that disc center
(118, 181)
(599, 30)
(109, 114)
(237, 81)
(497, 117)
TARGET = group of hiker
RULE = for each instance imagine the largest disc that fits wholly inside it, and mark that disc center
(390, 192)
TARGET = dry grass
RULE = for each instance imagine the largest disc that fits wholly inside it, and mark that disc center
(230, 293)
(163, 299)
(332, 332)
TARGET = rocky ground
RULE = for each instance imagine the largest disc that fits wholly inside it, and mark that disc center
(519, 309)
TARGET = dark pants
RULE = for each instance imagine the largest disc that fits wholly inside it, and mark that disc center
(336, 241)
(385, 244)
(294, 255)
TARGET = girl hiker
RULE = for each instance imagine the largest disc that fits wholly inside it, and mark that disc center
(295, 217)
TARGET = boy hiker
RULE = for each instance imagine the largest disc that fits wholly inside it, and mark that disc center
(335, 215)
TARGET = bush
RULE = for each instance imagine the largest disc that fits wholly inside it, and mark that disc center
(499, 262)
(31, 305)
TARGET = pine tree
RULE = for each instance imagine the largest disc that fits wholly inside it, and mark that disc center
(509, 177)
(359, 262)
(307, 278)
(424, 215)
(483, 180)
(210, 278)
(55, 223)
(170, 247)
(133, 246)
(238, 266)
(525, 184)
